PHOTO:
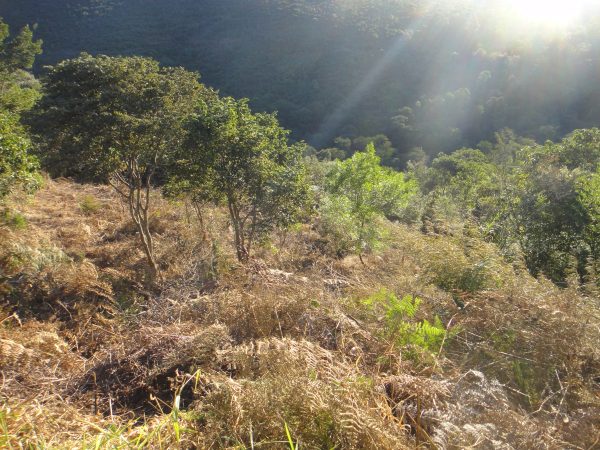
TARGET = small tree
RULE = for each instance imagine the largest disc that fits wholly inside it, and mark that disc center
(116, 120)
(244, 160)
(359, 192)
(18, 88)
(588, 191)
(17, 167)
(556, 206)
(18, 91)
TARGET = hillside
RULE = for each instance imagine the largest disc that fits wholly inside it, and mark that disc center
(86, 350)
(179, 271)
(437, 75)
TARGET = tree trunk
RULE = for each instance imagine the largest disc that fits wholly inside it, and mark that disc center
(360, 257)
(238, 228)
(137, 193)
(200, 216)
(139, 214)
(148, 243)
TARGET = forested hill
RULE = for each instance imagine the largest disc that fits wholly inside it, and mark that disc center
(438, 76)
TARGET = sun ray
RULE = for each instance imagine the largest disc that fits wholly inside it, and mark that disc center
(553, 12)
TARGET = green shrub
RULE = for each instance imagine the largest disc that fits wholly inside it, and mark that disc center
(13, 219)
(17, 167)
(464, 264)
(337, 225)
(89, 205)
(360, 195)
(34, 260)
(526, 378)
(469, 278)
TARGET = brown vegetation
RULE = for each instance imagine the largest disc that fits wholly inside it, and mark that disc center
(225, 355)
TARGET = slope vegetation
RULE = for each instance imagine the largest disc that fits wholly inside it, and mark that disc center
(226, 355)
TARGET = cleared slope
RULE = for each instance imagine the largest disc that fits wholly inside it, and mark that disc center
(86, 352)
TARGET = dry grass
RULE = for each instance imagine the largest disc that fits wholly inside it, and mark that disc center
(326, 402)
(91, 357)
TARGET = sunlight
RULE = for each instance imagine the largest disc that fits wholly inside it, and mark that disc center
(555, 12)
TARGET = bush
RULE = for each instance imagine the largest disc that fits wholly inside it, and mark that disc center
(89, 205)
(338, 226)
(17, 167)
(465, 264)
(360, 193)
(13, 219)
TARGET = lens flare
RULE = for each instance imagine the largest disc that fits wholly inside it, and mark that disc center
(554, 12)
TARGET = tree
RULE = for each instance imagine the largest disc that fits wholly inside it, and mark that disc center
(465, 175)
(117, 120)
(556, 209)
(18, 89)
(244, 160)
(383, 148)
(359, 193)
(17, 167)
(588, 192)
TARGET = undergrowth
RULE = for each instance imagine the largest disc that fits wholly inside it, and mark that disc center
(437, 340)
(401, 327)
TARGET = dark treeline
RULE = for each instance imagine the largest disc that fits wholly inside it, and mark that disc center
(430, 75)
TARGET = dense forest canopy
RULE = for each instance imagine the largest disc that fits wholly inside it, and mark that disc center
(432, 74)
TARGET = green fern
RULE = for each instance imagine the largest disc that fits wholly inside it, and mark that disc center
(400, 326)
